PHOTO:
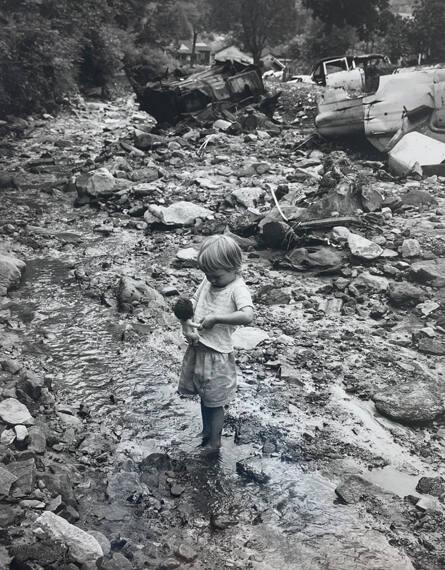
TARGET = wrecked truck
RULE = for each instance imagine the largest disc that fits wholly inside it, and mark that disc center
(204, 95)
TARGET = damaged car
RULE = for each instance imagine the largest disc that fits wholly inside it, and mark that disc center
(226, 86)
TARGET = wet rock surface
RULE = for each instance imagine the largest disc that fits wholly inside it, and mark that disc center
(339, 415)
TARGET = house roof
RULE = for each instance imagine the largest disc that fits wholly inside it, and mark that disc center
(186, 47)
(232, 53)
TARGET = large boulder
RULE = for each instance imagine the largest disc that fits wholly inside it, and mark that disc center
(178, 214)
(403, 294)
(133, 292)
(431, 271)
(15, 413)
(95, 184)
(411, 403)
(11, 269)
(82, 547)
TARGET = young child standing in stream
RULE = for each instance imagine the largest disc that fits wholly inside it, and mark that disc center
(221, 303)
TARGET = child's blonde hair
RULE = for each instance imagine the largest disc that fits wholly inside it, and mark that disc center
(220, 252)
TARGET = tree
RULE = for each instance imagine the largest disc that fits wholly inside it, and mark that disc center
(363, 15)
(428, 29)
(257, 23)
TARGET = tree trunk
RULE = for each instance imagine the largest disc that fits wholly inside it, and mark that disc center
(193, 57)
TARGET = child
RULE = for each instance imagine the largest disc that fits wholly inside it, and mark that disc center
(221, 302)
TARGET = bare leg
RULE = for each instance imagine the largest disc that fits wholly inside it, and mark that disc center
(205, 434)
(216, 422)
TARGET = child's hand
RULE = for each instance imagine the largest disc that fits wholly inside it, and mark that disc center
(208, 322)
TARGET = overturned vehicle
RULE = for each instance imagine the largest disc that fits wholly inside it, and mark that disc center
(409, 101)
(226, 86)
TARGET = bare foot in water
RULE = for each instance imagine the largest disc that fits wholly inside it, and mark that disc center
(211, 448)
(204, 438)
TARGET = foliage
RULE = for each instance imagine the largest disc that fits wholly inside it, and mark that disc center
(50, 48)
(257, 23)
(363, 16)
(147, 63)
(428, 29)
(318, 42)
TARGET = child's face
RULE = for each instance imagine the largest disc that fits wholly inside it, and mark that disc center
(221, 277)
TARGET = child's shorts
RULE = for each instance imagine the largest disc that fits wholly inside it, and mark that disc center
(210, 374)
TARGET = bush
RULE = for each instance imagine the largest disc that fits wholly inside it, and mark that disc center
(147, 63)
(37, 68)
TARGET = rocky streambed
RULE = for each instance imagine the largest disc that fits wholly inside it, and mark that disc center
(333, 451)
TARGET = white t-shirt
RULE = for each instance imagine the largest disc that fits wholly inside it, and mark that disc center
(222, 300)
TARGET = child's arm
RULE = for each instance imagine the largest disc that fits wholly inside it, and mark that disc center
(242, 317)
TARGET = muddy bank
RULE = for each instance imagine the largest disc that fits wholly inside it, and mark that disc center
(339, 413)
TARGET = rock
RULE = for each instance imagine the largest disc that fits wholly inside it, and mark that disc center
(431, 346)
(340, 233)
(25, 471)
(371, 282)
(7, 437)
(133, 292)
(11, 269)
(177, 490)
(44, 552)
(180, 213)
(188, 256)
(429, 504)
(186, 553)
(252, 469)
(37, 439)
(410, 248)
(10, 365)
(146, 175)
(146, 141)
(427, 307)
(82, 547)
(431, 272)
(417, 197)
(31, 384)
(6, 480)
(222, 125)
(59, 484)
(70, 421)
(118, 562)
(413, 402)
(15, 413)
(22, 434)
(405, 294)
(372, 199)
(270, 295)
(248, 197)
(247, 338)
(363, 248)
(10, 515)
(354, 488)
(124, 486)
(102, 540)
(95, 184)
(431, 485)
(169, 564)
